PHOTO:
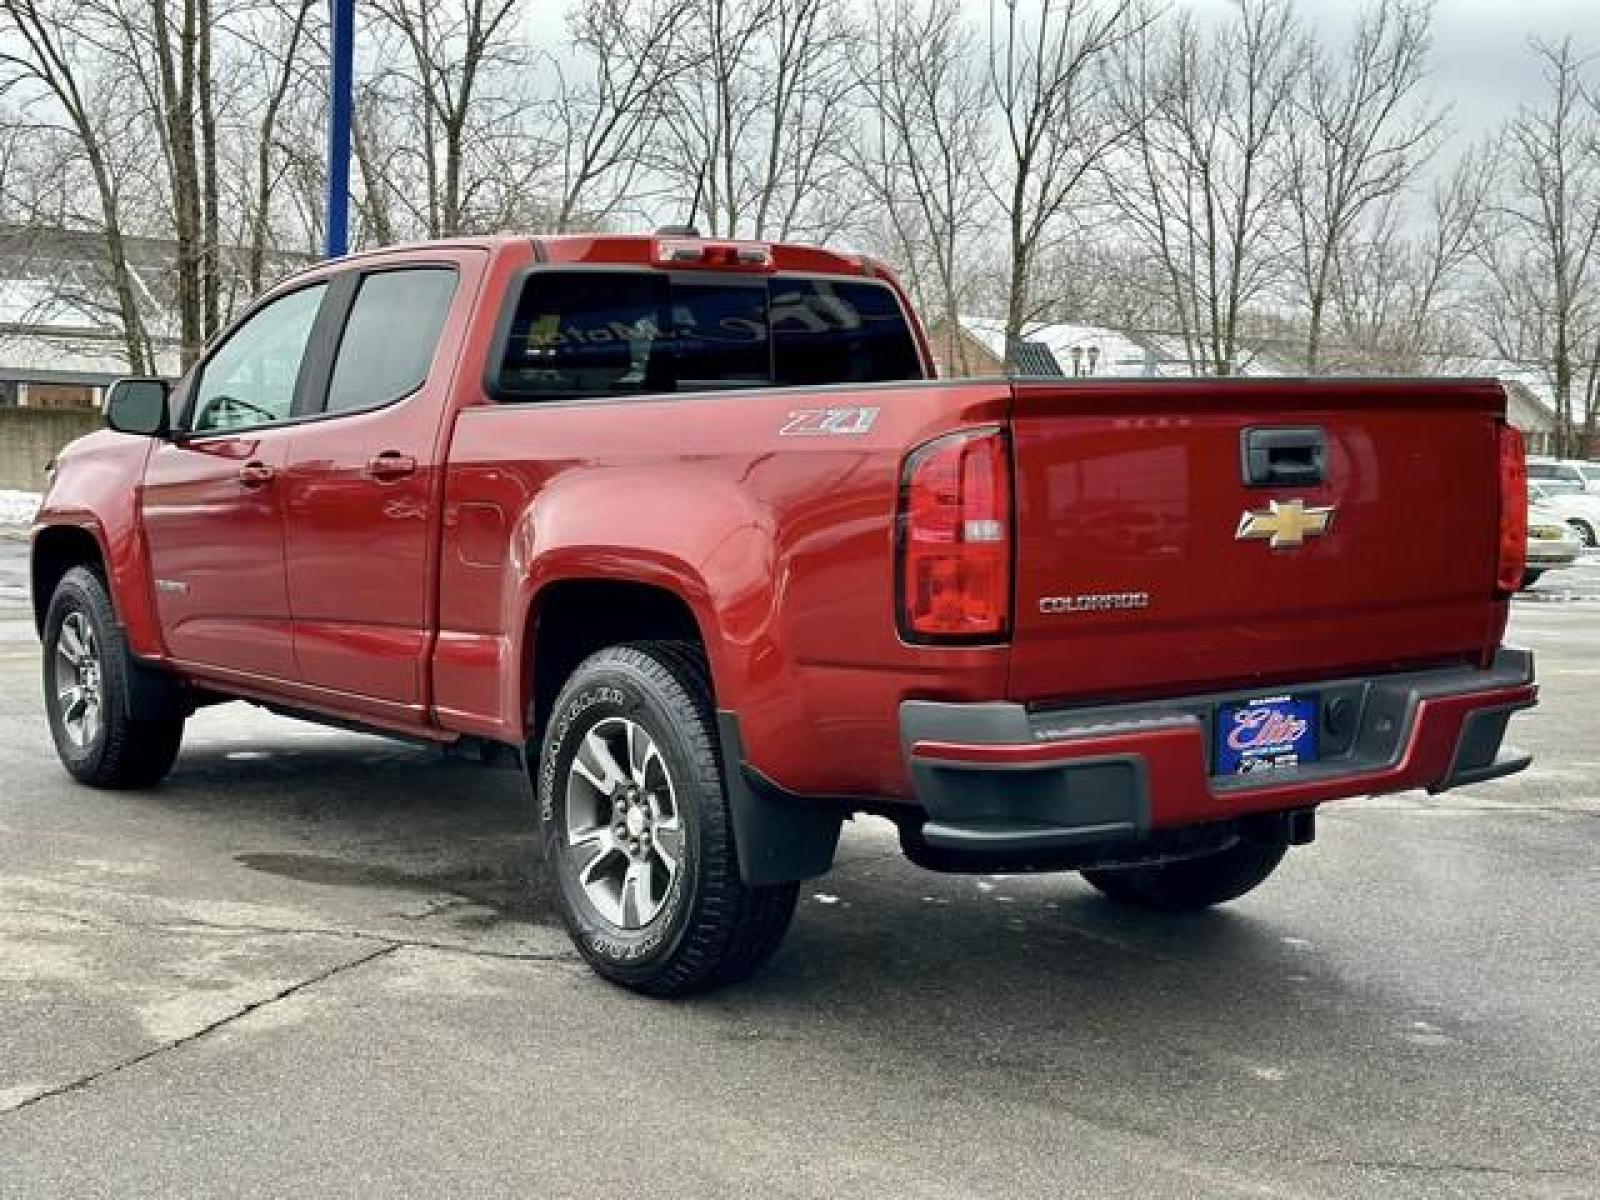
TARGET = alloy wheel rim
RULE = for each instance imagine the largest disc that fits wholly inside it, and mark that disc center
(624, 831)
(79, 680)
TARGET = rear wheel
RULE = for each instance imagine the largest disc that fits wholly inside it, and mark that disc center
(636, 827)
(1187, 884)
(1529, 578)
(1586, 533)
(86, 693)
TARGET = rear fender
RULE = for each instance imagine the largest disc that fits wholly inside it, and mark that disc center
(706, 546)
(712, 552)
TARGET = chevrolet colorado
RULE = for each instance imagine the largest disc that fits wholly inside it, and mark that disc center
(687, 529)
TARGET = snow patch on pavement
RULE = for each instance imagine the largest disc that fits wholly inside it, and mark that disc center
(17, 508)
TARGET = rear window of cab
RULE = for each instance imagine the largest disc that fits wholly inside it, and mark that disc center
(591, 333)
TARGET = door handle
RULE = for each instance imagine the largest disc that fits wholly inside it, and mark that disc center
(1288, 457)
(390, 465)
(255, 474)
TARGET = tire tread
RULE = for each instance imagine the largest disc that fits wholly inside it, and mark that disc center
(733, 928)
(135, 754)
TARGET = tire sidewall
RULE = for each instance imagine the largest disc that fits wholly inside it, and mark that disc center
(81, 592)
(612, 687)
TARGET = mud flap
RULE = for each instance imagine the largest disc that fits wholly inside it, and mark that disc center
(780, 837)
(152, 694)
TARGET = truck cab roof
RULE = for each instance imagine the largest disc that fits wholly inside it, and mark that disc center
(667, 249)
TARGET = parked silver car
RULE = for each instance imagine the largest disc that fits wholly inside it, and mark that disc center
(1578, 508)
(1567, 470)
(1552, 543)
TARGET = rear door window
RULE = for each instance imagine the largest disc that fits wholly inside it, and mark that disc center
(390, 337)
(599, 333)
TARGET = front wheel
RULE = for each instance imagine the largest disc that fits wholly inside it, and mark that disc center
(1585, 532)
(1188, 884)
(636, 826)
(98, 737)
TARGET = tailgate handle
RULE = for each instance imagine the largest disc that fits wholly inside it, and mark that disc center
(1295, 457)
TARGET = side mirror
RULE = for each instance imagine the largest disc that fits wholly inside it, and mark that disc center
(138, 406)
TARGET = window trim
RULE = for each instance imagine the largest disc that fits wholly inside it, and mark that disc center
(195, 378)
(501, 337)
(327, 331)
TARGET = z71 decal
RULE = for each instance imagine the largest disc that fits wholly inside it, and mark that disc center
(829, 422)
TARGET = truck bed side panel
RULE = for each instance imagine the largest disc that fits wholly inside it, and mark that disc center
(781, 543)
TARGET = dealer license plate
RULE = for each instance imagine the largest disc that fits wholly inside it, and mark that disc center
(1269, 734)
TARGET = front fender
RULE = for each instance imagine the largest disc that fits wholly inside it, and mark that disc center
(96, 491)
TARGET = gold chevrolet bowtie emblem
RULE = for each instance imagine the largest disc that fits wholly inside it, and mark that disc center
(1288, 523)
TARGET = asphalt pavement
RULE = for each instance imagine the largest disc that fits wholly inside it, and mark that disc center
(325, 964)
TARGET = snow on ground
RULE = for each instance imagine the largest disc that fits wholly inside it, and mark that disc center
(17, 508)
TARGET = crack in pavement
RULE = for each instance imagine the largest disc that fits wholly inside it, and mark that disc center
(1401, 1164)
(86, 1081)
(388, 941)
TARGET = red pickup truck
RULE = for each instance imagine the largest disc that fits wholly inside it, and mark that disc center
(688, 528)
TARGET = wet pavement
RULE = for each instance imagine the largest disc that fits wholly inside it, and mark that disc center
(316, 962)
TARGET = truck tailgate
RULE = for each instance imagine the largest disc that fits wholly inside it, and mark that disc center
(1132, 579)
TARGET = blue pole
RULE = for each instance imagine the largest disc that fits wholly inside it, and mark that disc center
(341, 101)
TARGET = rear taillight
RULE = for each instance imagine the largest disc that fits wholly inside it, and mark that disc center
(955, 539)
(1513, 511)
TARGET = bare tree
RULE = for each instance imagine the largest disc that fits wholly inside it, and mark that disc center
(1359, 139)
(1399, 293)
(1202, 180)
(927, 153)
(276, 52)
(169, 45)
(604, 121)
(56, 41)
(375, 200)
(1543, 251)
(1104, 280)
(760, 119)
(468, 67)
(1048, 85)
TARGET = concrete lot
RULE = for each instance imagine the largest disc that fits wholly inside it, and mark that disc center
(318, 963)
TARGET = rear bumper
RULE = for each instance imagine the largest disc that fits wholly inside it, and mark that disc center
(1000, 779)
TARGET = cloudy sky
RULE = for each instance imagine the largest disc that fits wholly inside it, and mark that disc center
(1481, 60)
(1481, 63)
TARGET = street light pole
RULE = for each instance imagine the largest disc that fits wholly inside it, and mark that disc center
(341, 86)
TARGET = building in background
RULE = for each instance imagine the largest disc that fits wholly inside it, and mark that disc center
(56, 349)
(61, 339)
(1532, 413)
(1062, 350)
(61, 342)
(1066, 351)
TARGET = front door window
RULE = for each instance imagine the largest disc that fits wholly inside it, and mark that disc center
(250, 380)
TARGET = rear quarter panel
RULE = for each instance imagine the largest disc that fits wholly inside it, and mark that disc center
(781, 544)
